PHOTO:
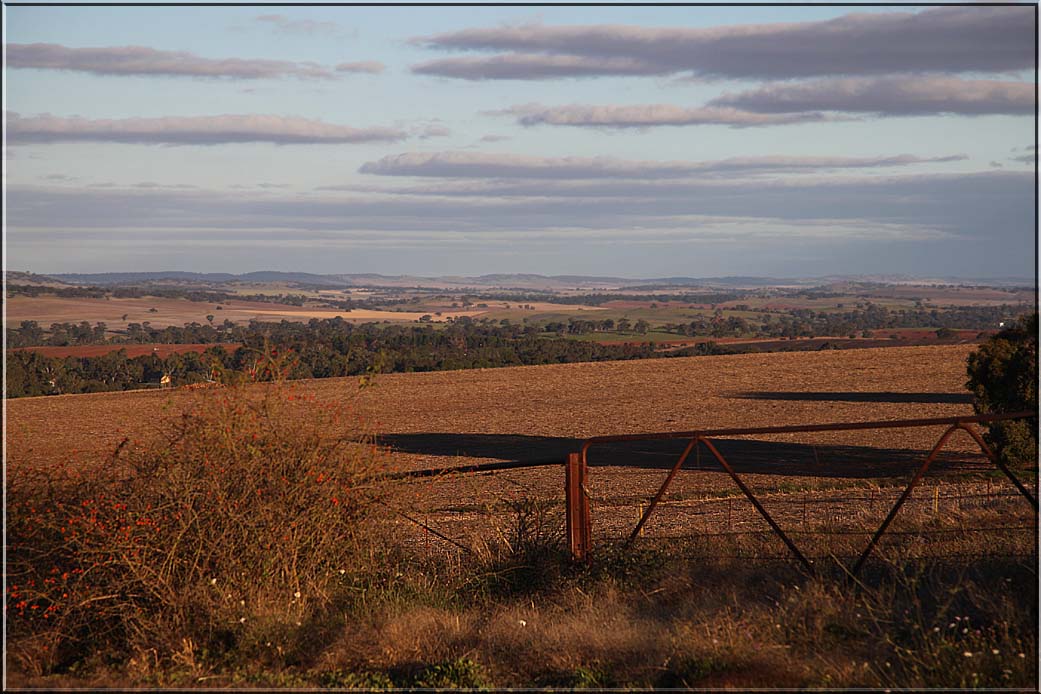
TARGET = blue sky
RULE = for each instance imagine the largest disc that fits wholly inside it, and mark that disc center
(631, 141)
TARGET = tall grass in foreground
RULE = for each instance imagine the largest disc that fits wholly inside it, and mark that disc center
(232, 532)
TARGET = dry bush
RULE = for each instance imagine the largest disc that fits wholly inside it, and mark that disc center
(235, 531)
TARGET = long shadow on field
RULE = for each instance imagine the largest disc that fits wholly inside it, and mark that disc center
(825, 396)
(753, 457)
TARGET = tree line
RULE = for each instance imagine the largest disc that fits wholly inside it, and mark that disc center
(320, 349)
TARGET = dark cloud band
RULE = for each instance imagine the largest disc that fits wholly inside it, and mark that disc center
(652, 115)
(149, 62)
(895, 96)
(505, 166)
(941, 40)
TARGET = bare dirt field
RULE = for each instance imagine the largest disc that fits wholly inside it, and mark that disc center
(446, 419)
(52, 309)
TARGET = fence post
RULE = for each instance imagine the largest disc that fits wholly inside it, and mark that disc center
(577, 507)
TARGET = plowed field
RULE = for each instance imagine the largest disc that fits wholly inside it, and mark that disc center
(544, 412)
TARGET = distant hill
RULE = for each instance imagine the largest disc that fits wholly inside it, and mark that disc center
(15, 277)
(104, 278)
(521, 281)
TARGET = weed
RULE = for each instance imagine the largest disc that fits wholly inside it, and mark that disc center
(461, 673)
(235, 530)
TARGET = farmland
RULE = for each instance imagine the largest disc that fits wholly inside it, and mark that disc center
(471, 597)
(349, 330)
(118, 313)
(570, 401)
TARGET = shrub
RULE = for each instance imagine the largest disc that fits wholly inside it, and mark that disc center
(1003, 378)
(241, 523)
(527, 554)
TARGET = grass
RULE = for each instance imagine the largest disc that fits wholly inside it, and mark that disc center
(518, 613)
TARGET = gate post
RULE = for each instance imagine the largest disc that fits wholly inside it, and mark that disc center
(577, 507)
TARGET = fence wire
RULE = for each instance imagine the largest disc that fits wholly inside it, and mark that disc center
(828, 495)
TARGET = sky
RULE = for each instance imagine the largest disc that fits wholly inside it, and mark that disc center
(625, 141)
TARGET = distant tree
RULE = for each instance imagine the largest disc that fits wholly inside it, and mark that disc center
(642, 326)
(945, 334)
(1003, 378)
(209, 317)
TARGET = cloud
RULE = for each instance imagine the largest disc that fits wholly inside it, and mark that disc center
(433, 131)
(194, 130)
(970, 221)
(650, 115)
(517, 66)
(495, 138)
(891, 96)
(372, 67)
(59, 177)
(1029, 158)
(286, 25)
(484, 166)
(143, 61)
(152, 185)
(943, 40)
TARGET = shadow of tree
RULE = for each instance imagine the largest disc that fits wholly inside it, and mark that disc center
(755, 457)
(884, 396)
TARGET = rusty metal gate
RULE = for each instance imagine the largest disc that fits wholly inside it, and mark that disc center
(577, 495)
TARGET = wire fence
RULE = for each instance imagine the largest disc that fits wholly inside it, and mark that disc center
(823, 501)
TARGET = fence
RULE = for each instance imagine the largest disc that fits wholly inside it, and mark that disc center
(460, 520)
(577, 489)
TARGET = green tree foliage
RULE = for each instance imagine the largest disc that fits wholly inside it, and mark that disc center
(1003, 378)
